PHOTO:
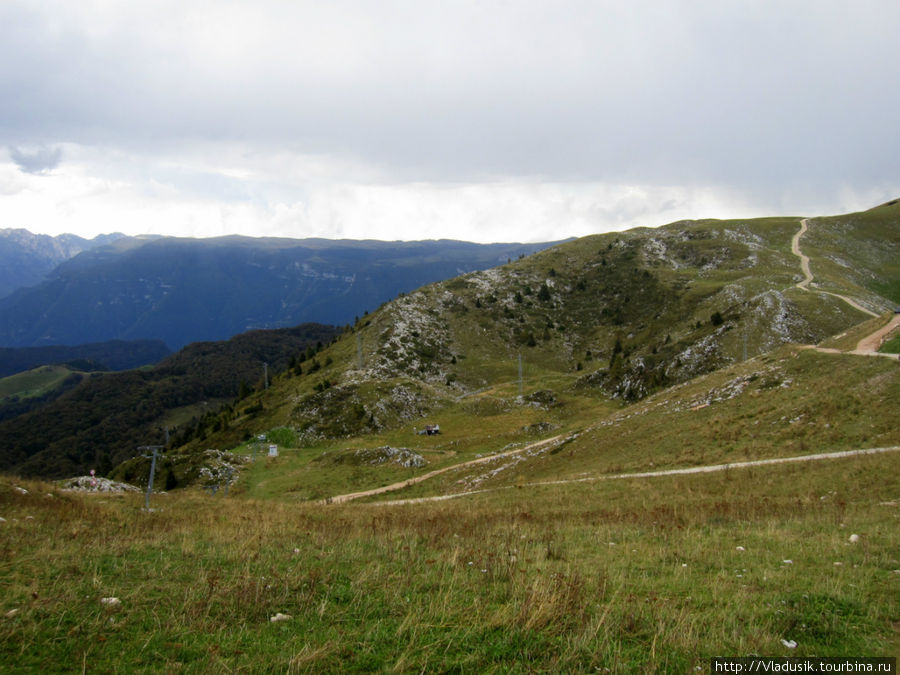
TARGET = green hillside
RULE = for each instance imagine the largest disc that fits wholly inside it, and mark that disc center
(782, 404)
(36, 383)
(576, 556)
(643, 463)
(857, 254)
(112, 355)
(600, 321)
(97, 421)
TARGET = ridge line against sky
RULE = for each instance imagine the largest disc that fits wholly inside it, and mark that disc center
(478, 120)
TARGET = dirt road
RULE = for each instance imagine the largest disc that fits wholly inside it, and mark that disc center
(871, 343)
(807, 273)
(339, 499)
(712, 468)
(804, 261)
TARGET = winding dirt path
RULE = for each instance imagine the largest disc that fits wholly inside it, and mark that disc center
(869, 345)
(804, 260)
(712, 468)
(339, 499)
(807, 273)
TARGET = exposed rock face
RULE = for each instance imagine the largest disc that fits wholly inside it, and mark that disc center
(220, 467)
(348, 410)
(415, 344)
(376, 456)
(95, 484)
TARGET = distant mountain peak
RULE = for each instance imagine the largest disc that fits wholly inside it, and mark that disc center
(181, 290)
(26, 258)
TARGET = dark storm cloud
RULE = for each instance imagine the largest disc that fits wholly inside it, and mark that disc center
(783, 102)
(36, 160)
(739, 91)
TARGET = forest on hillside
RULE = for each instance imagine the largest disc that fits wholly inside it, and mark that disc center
(101, 421)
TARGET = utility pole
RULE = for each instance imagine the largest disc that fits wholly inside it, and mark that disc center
(359, 357)
(155, 449)
(260, 439)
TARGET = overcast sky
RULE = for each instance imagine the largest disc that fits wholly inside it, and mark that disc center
(518, 120)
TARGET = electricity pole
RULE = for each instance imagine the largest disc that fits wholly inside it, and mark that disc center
(260, 439)
(155, 449)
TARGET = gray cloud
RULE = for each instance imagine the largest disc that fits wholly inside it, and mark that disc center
(36, 160)
(786, 103)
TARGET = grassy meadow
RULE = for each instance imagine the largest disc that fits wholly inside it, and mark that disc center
(652, 574)
(636, 575)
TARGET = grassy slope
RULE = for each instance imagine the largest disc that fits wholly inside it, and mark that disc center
(32, 389)
(783, 404)
(449, 352)
(33, 383)
(891, 346)
(859, 254)
(638, 575)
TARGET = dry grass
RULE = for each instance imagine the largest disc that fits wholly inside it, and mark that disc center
(630, 575)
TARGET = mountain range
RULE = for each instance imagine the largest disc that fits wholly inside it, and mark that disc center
(26, 258)
(616, 316)
(604, 320)
(185, 290)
